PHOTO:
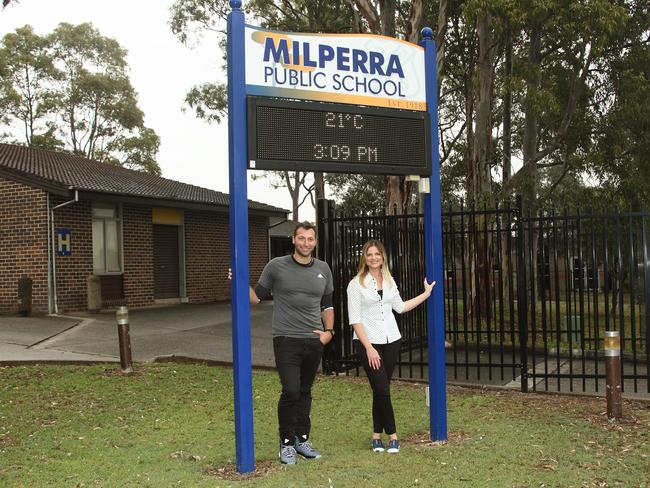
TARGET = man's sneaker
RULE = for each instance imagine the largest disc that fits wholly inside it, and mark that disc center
(393, 446)
(306, 450)
(377, 445)
(287, 454)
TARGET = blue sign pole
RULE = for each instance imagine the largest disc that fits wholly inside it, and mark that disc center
(241, 326)
(433, 258)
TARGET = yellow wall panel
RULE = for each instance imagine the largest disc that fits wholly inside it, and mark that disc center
(167, 216)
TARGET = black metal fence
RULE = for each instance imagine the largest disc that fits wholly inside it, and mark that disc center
(527, 297)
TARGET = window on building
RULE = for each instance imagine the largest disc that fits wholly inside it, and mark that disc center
(107, 239)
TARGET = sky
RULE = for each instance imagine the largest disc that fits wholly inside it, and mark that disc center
(162, 70)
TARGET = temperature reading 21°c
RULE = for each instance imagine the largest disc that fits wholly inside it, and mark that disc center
(345, 152)
(335, 120)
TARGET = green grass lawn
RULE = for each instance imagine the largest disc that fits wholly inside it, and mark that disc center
(172, 425)
(554, 319)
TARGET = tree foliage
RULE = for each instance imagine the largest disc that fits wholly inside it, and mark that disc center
(619, 153)
(191, 18)
(27, 93)
(538, 97)
(70, 90)
(358, 194)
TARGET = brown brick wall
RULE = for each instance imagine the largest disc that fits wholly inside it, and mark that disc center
(72, 271)
(23, 251)
(207, 253)
(23, 244)
(258, 246)
(137, 238)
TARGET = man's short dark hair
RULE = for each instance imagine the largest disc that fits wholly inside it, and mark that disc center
(305, 225)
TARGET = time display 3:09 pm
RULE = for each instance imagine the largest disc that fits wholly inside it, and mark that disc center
(345, 152)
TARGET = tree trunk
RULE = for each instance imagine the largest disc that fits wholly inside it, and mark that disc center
(482, 156)
(504, 273)
(530, 184)
(440, 42)
(529, 187)
(507, 108)
(398, 195)
(388, 10)
(319, 185)
(293, 180)
(481, 180)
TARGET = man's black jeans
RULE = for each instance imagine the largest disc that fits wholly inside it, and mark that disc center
(383, 417)
(297, 361)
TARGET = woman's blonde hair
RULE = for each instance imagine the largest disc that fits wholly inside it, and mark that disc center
(363, 271)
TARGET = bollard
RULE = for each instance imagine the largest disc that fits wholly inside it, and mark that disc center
(122, 316)
(613, 374)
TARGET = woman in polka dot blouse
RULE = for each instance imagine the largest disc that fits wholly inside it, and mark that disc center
(372, 297)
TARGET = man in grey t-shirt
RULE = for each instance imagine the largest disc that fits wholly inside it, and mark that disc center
(303, 322)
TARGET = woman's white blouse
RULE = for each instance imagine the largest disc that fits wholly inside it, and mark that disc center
(374, 312)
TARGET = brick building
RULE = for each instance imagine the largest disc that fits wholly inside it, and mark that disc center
(65, 219)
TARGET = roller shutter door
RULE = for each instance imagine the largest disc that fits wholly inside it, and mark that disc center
(165, 261)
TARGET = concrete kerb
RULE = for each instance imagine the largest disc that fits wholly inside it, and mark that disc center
(28, 341)
(82, 322)
(208, 362)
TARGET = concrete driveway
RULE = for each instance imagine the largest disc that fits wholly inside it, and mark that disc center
(196, 331)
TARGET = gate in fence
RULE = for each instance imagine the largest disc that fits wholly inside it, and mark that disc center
(528, 298)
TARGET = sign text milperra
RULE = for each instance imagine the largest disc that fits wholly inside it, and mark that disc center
(345, 68)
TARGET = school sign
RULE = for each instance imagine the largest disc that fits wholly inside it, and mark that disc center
(358, 69)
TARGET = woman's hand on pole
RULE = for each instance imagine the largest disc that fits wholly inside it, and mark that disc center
(428, 287)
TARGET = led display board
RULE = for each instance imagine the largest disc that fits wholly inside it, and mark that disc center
(297, 135)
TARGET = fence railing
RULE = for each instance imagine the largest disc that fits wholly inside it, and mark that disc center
(527, 297)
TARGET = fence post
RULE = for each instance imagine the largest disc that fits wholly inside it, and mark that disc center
(522, 307)
(323, 207)
(646, 283)
(324, 215)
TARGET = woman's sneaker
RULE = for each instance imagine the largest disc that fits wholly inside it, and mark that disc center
(287, 454)
(393, 446)
(377, 445)
(306, 450)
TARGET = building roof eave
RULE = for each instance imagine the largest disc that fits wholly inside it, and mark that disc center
(35, 181)
(183, 204)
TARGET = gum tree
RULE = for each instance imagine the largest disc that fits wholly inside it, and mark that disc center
(70, 90)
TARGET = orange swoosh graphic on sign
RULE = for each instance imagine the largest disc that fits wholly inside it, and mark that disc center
(260, 38)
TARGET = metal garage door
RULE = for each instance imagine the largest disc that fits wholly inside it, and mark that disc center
(165, 261)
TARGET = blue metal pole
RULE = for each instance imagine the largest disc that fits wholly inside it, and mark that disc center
(241, 326)
(433, 258)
